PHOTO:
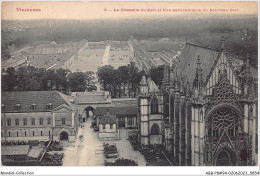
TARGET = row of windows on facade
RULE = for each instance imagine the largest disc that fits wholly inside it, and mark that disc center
(130, 120)
(33, 106)
(25, 134)
(104, 126)
(17, 122)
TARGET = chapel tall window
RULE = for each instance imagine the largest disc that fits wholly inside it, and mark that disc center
(223, 119)
(155, 129)
(154, 106)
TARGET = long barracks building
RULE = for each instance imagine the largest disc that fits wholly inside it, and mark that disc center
(37, 115)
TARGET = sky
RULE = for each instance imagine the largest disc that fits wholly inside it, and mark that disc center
(108, 10)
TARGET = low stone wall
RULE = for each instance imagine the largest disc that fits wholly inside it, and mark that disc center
(155, 139)
(108, 136)
(29, 138)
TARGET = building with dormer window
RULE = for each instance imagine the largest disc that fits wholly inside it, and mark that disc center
(37, 115)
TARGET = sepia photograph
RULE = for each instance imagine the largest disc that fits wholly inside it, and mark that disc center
(129, 84)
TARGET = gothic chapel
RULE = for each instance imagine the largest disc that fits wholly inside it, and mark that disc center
(205, 113)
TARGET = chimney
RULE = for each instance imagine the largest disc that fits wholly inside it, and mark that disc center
(222, 43)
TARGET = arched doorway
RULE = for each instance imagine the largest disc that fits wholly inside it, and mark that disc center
(225, 158)
(155, 129)
(64, 136)
(87, 112)
(223, 126)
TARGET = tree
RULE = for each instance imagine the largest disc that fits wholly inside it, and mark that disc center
(124, 78)
(89, 81)
(134, 78)
(5, 52)
(80, 81)
(156, 74)
(61, 79)
(22, 80)
(113, 79)
(50, 79)
(105, 76)
(9, 80)
(116, 84)
(124, 162)
(76, 82)
(28, 78)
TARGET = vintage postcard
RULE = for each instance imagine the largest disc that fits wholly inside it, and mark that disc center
(129, 84)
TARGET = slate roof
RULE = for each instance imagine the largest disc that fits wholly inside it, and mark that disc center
(86, 99)
(187, 63)
(152, 87)
(108, 119)
(124, 102)
(120, 110)
(27, 98)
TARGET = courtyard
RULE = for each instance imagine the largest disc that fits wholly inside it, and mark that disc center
(88, 150)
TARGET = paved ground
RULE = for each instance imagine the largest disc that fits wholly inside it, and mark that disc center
(86, 152)
(90, 150)
(125, 149)
(105, 56)
(88, 60)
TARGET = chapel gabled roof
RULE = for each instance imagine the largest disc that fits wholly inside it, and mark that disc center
(185, 67)
(152, 87)
(187, 63)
